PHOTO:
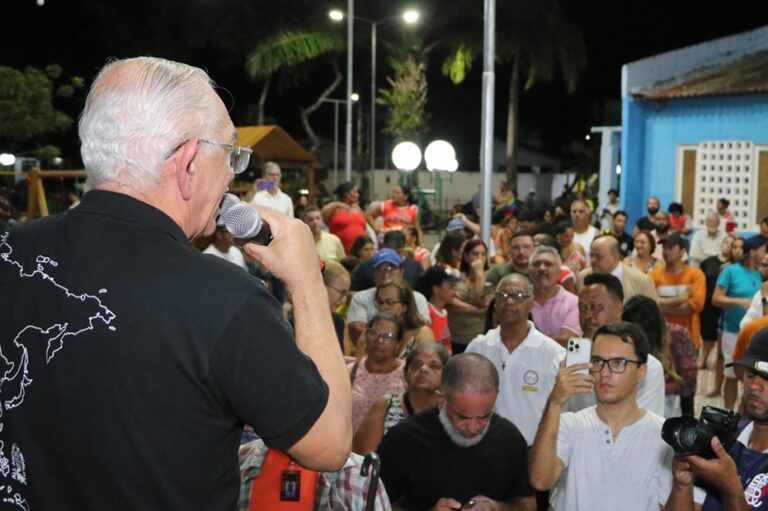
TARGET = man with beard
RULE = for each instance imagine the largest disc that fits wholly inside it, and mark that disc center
(648, 223)
(446, 456)
(736, 479)
(661, 231)
(609, 456)
(520, 248)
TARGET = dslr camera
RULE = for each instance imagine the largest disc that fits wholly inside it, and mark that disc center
(688, 436)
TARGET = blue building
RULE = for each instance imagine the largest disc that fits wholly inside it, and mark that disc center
(695, 128)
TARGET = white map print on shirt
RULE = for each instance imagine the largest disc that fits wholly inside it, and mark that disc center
(14, 359)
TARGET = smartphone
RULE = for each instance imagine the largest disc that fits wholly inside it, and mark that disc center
(578, 351)
(265, 184)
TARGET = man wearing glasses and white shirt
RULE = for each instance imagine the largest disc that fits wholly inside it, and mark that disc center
(608, 456)
(526, 359)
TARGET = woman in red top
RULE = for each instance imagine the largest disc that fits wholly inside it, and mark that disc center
(395, 212)
(344, 217)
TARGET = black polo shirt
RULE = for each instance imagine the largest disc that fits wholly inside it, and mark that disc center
(131, 362)
(420, 464)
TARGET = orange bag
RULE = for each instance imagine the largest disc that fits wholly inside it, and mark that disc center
(272, 484)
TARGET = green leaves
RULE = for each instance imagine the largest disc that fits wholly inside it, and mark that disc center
(26, 104)
(289, 49)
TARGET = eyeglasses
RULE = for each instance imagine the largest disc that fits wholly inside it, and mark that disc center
(381, 336)
(344, 293)
(388, 303)
(239, 156)
(616, 365)
(388, 268)
(517, 297)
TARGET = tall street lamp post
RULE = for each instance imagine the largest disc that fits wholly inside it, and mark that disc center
(409, 17)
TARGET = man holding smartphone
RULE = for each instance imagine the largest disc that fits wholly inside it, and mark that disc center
(268, 191)
(459, 455)
(611, 455)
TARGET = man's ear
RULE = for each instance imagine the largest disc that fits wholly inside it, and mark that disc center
(184, 167)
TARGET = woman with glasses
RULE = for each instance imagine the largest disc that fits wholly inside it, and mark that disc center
(396, 296)
(673, 346)
(423, 375)
(466, 312)
(343, 216)
(380, 371)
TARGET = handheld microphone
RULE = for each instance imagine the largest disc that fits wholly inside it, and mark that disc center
(245, 224)
(227, 202)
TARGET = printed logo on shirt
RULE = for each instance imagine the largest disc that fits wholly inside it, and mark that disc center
(755, 491)
(531, 378)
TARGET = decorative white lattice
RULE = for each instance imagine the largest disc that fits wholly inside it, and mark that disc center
(726, 168)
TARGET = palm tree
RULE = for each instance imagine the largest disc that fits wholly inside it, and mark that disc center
(283, 53)
(531, 36)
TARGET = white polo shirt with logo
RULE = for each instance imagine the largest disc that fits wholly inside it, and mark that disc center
(526, 375)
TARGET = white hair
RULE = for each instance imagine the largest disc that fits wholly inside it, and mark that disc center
(516, 277)
(137, 111)
(545, 249)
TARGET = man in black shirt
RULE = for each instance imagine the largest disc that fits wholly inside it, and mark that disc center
(130, 360)
(443, 457)
(648, 223)
(618, 231)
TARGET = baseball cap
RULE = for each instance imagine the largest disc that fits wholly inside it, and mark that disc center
(434, 276)
(753, 243)
(456, 224)
(756, 358)
(676, 239)
(386, 255)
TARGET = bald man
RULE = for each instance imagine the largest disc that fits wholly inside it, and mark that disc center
(605, 257)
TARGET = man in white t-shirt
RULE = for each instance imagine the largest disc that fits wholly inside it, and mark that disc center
(583, 231)
(600, 302)
(526, 360)
(608, 456)
(268, 191)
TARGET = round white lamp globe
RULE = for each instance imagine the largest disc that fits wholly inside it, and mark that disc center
(439, 155)
(406, 156)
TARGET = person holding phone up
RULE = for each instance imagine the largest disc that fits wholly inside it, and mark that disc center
(268, 191)
(611, 455)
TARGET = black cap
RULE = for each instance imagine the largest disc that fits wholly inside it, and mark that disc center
(753, 243)
(756, 358)
(434, 276)
(676, 239)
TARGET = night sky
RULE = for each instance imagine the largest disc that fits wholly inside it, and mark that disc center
(81, 34)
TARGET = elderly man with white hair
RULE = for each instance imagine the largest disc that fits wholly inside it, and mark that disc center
(526, 359)
(706, 242)
(131, 361)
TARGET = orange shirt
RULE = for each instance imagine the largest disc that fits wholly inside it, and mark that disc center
(746, 334)
(668, 285)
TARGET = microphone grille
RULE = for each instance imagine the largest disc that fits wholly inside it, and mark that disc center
(241, 220)
(227, 202)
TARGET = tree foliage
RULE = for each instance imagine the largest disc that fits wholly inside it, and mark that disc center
(26, 102)
(406, 96)
(289, 49)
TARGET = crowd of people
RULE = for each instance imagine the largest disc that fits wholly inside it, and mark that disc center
(460, 365)
(662, 297)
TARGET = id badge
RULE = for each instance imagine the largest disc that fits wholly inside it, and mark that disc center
(290, 484)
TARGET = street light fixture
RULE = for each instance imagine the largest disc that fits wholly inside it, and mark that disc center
(410, 17)
(336, 103)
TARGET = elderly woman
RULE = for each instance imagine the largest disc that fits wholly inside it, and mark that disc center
(380, 371)
(343, 216)
(642, 257)
(423, 371)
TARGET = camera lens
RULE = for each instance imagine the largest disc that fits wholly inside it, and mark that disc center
(570, 348)
(687, 437)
